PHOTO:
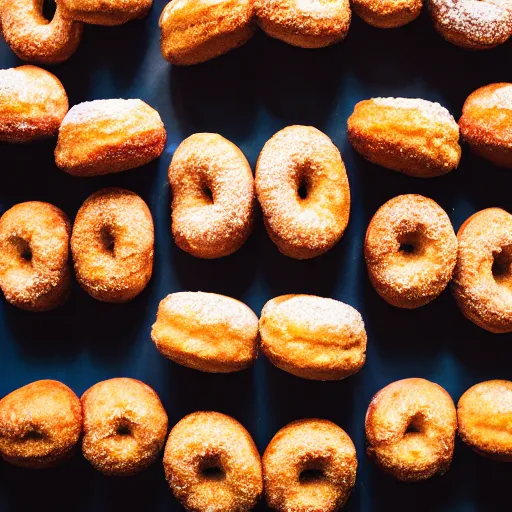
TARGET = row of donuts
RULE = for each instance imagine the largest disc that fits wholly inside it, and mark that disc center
(194, 31)
(211, 461)
(108, 136)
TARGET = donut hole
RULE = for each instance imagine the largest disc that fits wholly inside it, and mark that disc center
(410, 244)
(23, 249)
(502, 266)
(303, 187)
(124, 430)
(33, 435)
(211, 469)
(311, 476)
(415, 426)
(107, 239)
(49, 8)
(207, 194)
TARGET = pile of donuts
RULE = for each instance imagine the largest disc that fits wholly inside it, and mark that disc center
(35, 38)
(211, 462)
(194, 31)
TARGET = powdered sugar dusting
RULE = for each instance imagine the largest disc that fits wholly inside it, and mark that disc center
(429, 109)
(101, 110)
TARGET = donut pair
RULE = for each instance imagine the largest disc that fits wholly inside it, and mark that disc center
(301, 185)
(307, 336)
(194, 31)
(212, 464)
(33, 37)
(112, 245)
(124, 425)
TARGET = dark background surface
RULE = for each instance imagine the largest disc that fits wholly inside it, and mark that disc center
(247, 96)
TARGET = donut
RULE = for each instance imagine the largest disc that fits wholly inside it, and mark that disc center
(212, 196)
(486, 123)
(105, 12)
(313, 337)
(482, 280)
(212, 464)
(388, 13)
(112, 245)
(413, 136)
(40, 424)
(484, 414)
(34, 38)
(410, 251)
(410, 429)
(33, 103)
(125, 425)
(194, 31)
(303, 190)
(109, 136)
(304, 23)
(34, 252)
(473, 24)
(309, 465)
(206, 332)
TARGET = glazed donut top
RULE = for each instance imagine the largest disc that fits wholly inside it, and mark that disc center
(482, 22)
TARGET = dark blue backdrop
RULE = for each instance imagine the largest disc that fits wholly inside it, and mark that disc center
(247, 96)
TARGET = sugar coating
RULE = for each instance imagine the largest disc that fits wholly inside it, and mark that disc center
(430, 109)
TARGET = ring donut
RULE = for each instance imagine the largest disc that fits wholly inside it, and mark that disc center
(482, 281)
(212, 464)
(410, 251)
(303, 190)
(113, 245)
(410, 429)
(34, 252)
(309, 465)
(212, 196)
(105, 12)
(34, 38)
(473, 24)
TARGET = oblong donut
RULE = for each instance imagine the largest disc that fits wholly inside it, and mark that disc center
(296, 158)
(40, 424)
(387, 13)
(34, 253)
(105, 12)
(304, 23)
(113, 245)
(313, 337)
(413, 136)
(194, 31)
(482, 280)
(212, 464)
(212, 196)
(34, 38)
(125, 425)
(309, 465)
(473, 24)
(484, 414)
(108, 136)
(486, 123)
(410, 251)
(206, 331)
(410, 429)
(33, 104)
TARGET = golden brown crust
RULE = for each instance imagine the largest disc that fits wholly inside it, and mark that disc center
(206, 441)
(313, 337)
(212, 196)
(105, 12)
(125, 425)
(33, 104)
(113, 245)
(206, 331)
(413, 136)
(108, 136)
(40, 424)
(297, 158)
(304, 23)
(473, 24)
(484, 414)
(410, 251)
(482, 280)
(410, 429)
(194, 31)
(309, 465)
(486, 123)
(34, 256)
(387, 13)
(34, 38)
